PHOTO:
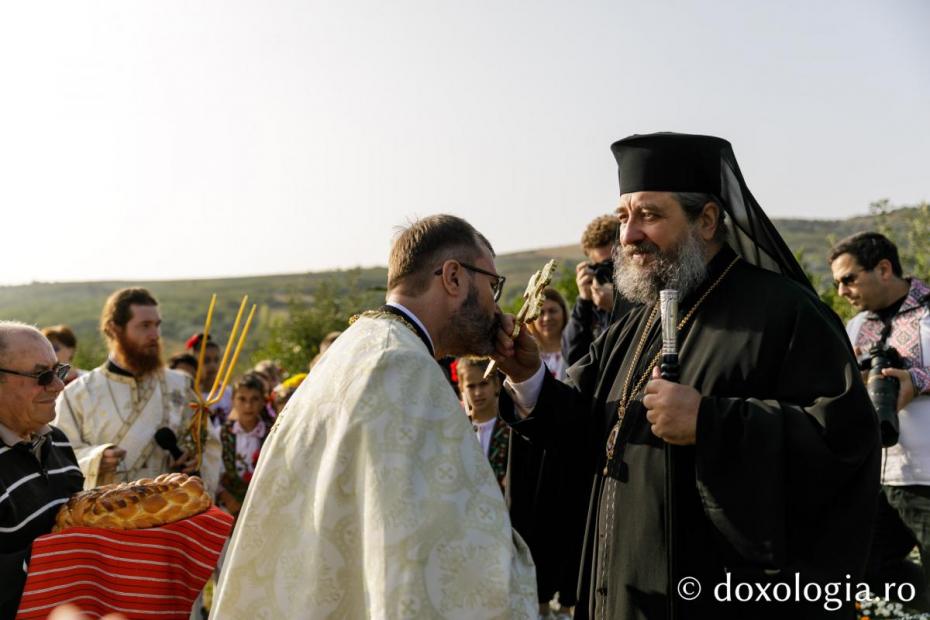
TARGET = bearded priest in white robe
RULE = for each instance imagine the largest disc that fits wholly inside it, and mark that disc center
(111, 414)
(372, 497)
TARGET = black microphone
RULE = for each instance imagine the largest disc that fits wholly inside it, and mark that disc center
(167, 440)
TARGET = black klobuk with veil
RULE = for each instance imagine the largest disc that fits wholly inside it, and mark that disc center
(674, 162)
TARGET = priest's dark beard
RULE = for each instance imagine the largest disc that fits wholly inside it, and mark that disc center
(681, 268)
(471, 331)
(141, 361)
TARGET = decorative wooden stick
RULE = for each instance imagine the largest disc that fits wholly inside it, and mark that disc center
(532, 303)
(222, 368)
(203, 343)
(232, 364)
(202, 404)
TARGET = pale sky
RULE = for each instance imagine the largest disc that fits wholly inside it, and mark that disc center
(164, 140)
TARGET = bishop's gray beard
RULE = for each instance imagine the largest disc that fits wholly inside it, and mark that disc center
(682, 268)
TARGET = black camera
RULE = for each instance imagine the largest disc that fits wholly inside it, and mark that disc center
(883, 391)
(603, 271)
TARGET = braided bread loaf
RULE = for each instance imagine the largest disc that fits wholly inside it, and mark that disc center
(135, 505)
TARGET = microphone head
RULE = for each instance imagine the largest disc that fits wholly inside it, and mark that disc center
(167, 440)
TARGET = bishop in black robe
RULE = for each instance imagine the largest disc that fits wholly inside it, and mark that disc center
(783, 477)
(779, 486)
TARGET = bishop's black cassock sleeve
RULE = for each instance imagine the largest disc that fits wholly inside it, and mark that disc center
(789, 475)
(563, 409)
(579, 331)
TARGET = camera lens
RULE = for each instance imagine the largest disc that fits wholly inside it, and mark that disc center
(604, 272)
(883, 392)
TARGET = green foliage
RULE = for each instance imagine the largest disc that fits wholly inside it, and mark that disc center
(183, 305)
(513, 306)
(91, 352)
(293, 339)
(563, 280)
(911, 235)
(295, 311)
(826, 290)
(843, 308)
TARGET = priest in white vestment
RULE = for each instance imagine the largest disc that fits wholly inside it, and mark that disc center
(111, 414)
(372, 498)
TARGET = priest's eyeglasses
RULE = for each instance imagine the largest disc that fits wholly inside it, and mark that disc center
(44, 377)
(497, 282)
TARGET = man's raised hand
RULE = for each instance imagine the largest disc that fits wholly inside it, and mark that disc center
(906, 391)
(584, 277)
(111, 459)
(186, 463)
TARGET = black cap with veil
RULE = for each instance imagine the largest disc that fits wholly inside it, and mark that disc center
(675, 162)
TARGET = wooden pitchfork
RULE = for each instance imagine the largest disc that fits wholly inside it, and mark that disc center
(203, 404)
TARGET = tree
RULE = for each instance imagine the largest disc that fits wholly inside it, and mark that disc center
(294, 339)
(90, 353)
(563, 280)
(909, 229)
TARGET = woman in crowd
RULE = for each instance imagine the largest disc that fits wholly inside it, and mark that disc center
(547, 330)
(65, 344)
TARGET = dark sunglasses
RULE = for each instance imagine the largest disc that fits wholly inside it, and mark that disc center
(44, 377)
(497, 285)
(849, 279)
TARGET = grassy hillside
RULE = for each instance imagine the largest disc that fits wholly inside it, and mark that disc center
(184, 302)
(814, 237)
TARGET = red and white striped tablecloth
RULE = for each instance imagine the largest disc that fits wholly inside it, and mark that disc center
(150, 573)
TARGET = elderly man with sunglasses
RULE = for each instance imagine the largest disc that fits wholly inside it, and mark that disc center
(38, 469)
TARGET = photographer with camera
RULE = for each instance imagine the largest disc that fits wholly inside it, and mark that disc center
(891, 338)
(595, 305)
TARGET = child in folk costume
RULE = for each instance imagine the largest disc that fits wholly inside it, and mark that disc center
(242, 437)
